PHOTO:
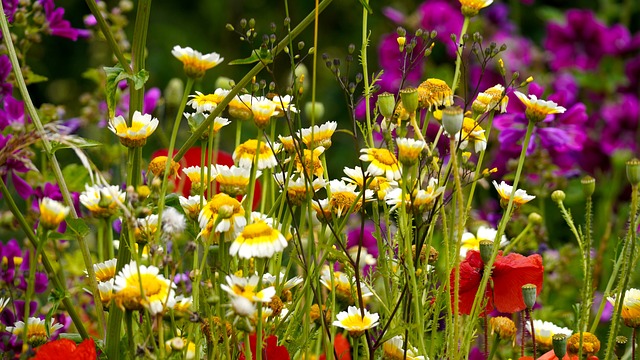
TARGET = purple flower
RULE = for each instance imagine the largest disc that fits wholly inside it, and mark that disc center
(58, 26)
(14, 160)
(6, 88)
(12, 113)
(10, 253)
(498, 16)
(580, 43)
(632, 71)
(444, 18)
(392, 61)
(365, 239)
(10, 8)
(620, 128)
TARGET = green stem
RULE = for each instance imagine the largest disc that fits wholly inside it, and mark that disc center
(365, 71)
(28, 230)
(128, 319)
(197, 133)
(252, 180)
(478, 174)
(459, 49)
(111, 41)
(31, 281)
(494, 346)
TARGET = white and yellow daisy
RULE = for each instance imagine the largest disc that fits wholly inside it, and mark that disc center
(297, 188)
(219, 95)
(234, 180)
(138, 286)
(202, 102)
(344, 287)
(433, 93)
(394, 349)
(319, 135)
(158, 165)
(105, 271)
(105, 289)
(183, 304)
(289, 143)
(344, 196)
(283, 103)
(519, 198)
(142, 126)
(471, 132)
(472, 242)
(219, 123)
(223, 211)
(538, 109)
(200, 179)
(102, 201)
(191, 206)
(245, 153)
(409, 150)
(322, 209)
(240, 107)
(382, 162)
(263, 109)
(492, 99)
(52, 213)
(310, 164)
(380, 185)
(472, 7)
(354, 322)
(258, 239)
(419, 200)
(195, 63)
(36, 329)
(146, 228)
(248, 288)
(630, 307)
(545, 331)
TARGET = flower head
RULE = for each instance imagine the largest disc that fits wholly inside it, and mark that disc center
(223, 211)
(297, 188)
(354, 322)
(394, 349)
(492, 99)
(234, 180)
(382, 162)
(245, 153)
(52, 213)
(66, 349)
(101, 200)
(158, 165)
(200, 179)
(263, 109)
(195, 63)
(508, 275)
(537, 109)
(319, 135)
(344, 288)
(433, 93)
(472, 7)
(36, 329)
(105, 271)
(409, 150)
(545, 331)
(310, 164)
(344, 196)
(136, 135)
(472, 132)
(138, 286)
(630, 307)
(590, 343)
(503, 326)
(190, 206)
(240, 107)
(472, 242)
(258, 239)
(519, 198)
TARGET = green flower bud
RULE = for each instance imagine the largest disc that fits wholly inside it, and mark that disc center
(529, 295)
(452, 118)
(409, 97)
(558, 196)
(535, 218)
(621, 346)
(588, 185)
(386, 104)
(486, 250)
(559, 345)
(173, 92)
(633, 171)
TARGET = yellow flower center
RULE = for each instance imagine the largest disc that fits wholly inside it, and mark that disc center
(384, 156)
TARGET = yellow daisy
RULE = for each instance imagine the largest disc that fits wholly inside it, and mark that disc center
(537, 109)
(472, 7)
(492, 99)
(354, 322)
(433, 93)
(240, 107)
(36, 329)
(289, 143)
(244, 154)
(137, 287)
(504, 190)
(190, 206)
(409, 150)
(471, 132)
(297, 188)
(195, 63)
(263, 109)
(382, 162)
(283, 103)
(136, 135)
(310, 164)
(258, 240)
(52, 213)
(198, 181)
(102, 201)
(380, 185)
(344, 196)
(630, 307)
(247, 288)
(319, 135)
(223, 211)
(158, 165)
(344, 287)
(203, 102)
(234, 180)
(105, 271)
(420, 200)
(394, 349)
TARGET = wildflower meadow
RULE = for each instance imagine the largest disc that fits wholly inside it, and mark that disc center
(445, 179)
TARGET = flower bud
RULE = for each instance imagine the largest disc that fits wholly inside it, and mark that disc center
(535, 218)
(529, 295)
(401, 41)
(173, 92)
(409, 97)
(588, 185)
(317, 111)
(559, 345)
(633, 171)
(452, 118)
(558, 196)
(504, 327)
(486, 250)
(386, 104)
(621, 346)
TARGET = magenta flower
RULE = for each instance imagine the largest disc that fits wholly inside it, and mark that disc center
(14, 162)
(365, 239)
(620, 128)
(6, 88)
(12, 114)
(58, 26)
(444, 18)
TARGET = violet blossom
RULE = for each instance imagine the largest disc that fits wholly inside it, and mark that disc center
(57, 26)
(620, 130)
(6, 88)
(13, 160)
(365, 239)
(12, 114)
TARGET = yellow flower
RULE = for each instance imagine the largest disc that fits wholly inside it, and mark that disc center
(537, 109)
(310, 164)
(240, 107)
(52, 213)
(297, 188)
(344, 288)
(246, 291)
(630, 307)
(219, 123)
(472, 7)
(471, 132)
(545, 331)
(142, 127)
(244, 154)
(36, 330)
(289, 143)
(191, 206)
(102, 201)
(433, 93)
(198, 181)
(105, 271)
(378, 184)
(223, 211)
(490, 99)
(195, 63)
(472, 242)
(283, 103)
(203, 102)
(393, 349)
(258, 240)
(590, 344)
(503, 326)
(146, 228)
(183, 304)
(504, 190)
(158, 165)
(409, 150)
(354, 322)
(344, 196)
(382, 163)
(138, 287)
(420, 200)
(234, 180)
(263, 109)
(319, 135)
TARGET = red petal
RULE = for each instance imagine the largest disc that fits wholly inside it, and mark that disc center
(56, 350)
(470, 276)
(342, 346)
(510, 273)
(85, 351)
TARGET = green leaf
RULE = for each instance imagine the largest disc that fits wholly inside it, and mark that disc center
(114, 75)
(33, 78)
(139, 79)
(262, 54)
(78, 227)
(55, 146)
(366, 6)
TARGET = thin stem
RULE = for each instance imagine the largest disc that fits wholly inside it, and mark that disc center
(459, 49)
(365, 71)
(111, 41)
(494, 346)
(533, 332)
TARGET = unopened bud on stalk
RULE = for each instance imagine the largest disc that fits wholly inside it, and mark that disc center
(224, 82)
(409, 97)
(529, 295)
(452, 118)
(558, 196)
(559, 345)
(621, 346)
(588, 185)
(633, 171)
(486, 250)
(173, 92)
(401, 41)
(386, 104)
(535, 218)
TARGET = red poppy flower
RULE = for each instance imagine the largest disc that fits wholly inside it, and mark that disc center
(270, 349)
(550, 355)
(342, 347)
(65, 349)
(504, 291)
(192, 158)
